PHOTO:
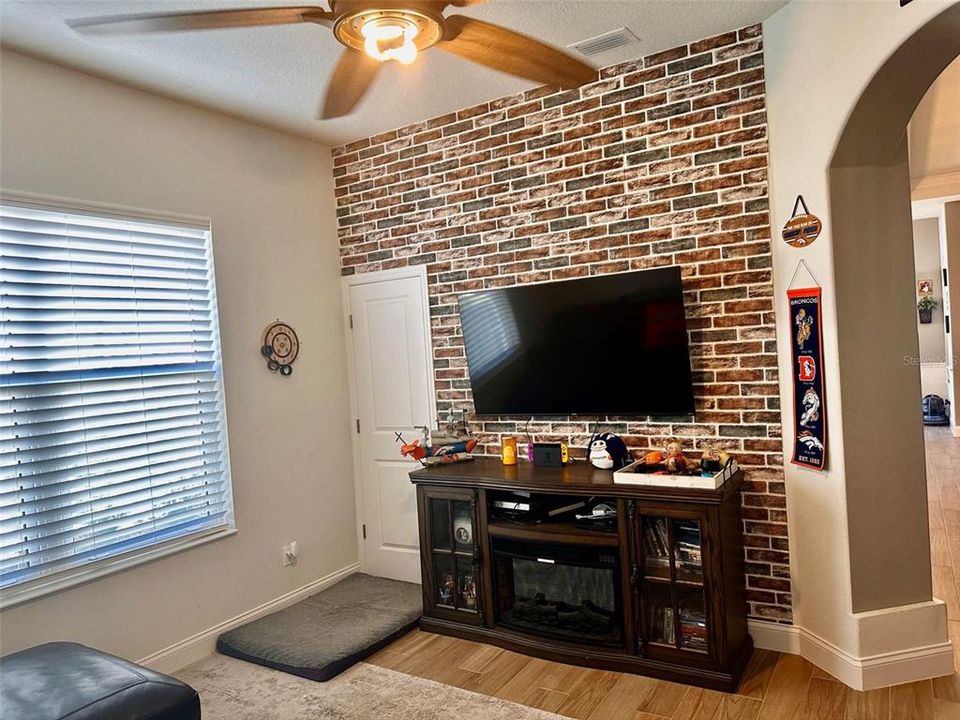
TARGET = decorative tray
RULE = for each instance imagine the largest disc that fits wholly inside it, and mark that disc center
(636, 473)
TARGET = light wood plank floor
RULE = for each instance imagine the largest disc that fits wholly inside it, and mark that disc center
(775, 686)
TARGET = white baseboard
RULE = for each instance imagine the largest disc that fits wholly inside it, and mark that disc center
(774, 636)
(199, 646)
(876, 671)
(867, 673)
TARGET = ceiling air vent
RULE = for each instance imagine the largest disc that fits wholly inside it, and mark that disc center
(604, 43)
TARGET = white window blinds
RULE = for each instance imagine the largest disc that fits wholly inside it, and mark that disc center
(112, 425)
(489, 322)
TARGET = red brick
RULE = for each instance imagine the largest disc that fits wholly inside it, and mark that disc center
(527, 188)
(714, 42)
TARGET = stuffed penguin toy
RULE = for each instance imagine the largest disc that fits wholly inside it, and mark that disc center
(607, 451)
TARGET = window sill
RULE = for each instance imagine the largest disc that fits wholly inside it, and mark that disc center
(40, 587)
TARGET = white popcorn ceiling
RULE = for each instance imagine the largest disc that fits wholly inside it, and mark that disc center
(276, 76)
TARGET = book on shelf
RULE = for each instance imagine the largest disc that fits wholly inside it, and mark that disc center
(668, 633)
(689, 557)
(661, 625)
(688, 542)
(693, 629)
(687, 533)
(656, 538)
(447, 459)
(438, 438)
(695, 643)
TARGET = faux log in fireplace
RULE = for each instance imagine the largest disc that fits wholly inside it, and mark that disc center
(658, 592)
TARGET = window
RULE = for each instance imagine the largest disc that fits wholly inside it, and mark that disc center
(492, 327)
(113, 434)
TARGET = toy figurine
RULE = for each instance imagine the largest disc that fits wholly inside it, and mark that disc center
(654, 457)
(710, 459)
(455, 427)
(672, 461)
(713, 460)
(675, 461)
(468, 592)
(607, 451)
(447, 589)
(418, 452)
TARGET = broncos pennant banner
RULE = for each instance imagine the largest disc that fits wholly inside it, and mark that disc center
(809, 401)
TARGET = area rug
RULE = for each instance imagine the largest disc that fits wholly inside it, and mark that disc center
(234, 690)
(326, 633)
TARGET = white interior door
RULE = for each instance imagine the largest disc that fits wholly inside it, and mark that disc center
(949, 259)
(392, 373)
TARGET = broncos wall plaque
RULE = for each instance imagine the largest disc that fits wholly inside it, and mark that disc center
(809, 401)
(802, 228)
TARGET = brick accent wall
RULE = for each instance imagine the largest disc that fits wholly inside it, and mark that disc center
(662, 161)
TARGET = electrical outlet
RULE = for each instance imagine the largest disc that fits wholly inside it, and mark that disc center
(291, 553)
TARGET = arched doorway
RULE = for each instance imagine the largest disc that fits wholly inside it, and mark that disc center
(860, 559)
(869, 183)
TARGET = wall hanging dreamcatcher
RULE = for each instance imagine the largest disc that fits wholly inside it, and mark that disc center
(280, 347)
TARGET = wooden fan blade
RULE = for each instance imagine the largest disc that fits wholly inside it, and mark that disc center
(513, 53)
(213, 20)
(352, 77)
(466, 3)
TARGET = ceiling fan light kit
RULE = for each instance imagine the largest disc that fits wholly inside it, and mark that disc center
(388, 34)
(377, 31)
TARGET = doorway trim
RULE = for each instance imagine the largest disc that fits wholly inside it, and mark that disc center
(934, 208)
(417, 272)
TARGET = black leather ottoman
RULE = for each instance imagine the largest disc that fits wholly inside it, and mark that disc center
(67, 680)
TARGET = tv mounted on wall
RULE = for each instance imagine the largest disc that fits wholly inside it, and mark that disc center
(606, 345)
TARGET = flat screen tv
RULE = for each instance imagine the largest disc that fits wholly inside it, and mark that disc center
(606, 345)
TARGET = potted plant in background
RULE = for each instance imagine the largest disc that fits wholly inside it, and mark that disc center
(925, 306)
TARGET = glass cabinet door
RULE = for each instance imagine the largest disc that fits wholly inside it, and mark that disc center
(687, 545)
(672, 615)
(454, 552)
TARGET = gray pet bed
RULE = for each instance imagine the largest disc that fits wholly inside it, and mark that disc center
(322, 636)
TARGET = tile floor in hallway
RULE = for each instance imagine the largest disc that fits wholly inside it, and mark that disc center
(775, 686)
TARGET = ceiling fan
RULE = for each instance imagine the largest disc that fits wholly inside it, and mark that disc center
(374, 32)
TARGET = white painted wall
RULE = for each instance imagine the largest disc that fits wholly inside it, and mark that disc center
(935, 136)
(819, 58)
(270, 198)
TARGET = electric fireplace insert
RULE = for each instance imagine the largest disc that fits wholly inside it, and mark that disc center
(565, 592)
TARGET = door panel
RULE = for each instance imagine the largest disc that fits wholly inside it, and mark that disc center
(392, 372)
(396, 505)
(390, 380)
